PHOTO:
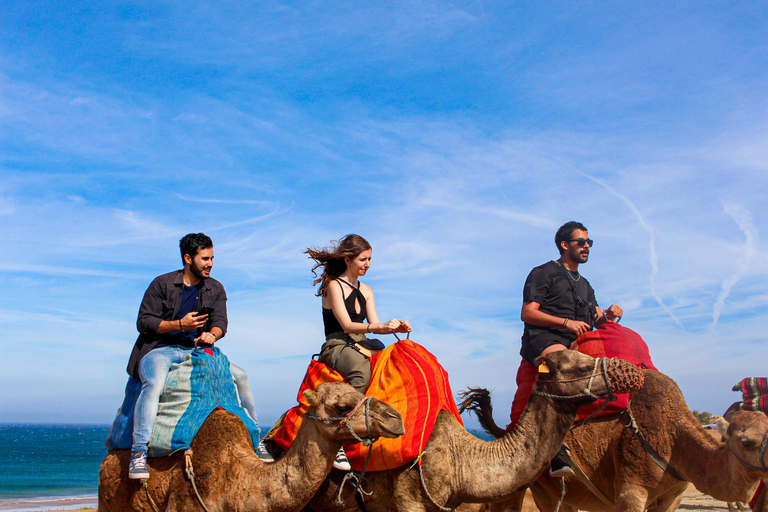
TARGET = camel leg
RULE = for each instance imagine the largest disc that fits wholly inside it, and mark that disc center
(667, 503)
(513, 504)
(547, 502)
(631, 499)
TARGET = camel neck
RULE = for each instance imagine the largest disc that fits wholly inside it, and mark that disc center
(297, 475)
(709, 464)
(519, 456)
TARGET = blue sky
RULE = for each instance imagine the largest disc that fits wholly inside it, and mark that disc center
(455, 136)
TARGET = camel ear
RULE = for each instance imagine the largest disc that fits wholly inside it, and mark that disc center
(722, 426)
(311, 397)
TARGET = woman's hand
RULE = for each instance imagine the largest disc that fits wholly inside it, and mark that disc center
(396, 325)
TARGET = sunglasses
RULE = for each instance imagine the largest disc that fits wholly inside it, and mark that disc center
(583, 241)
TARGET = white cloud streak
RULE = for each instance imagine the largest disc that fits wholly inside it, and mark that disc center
(653, 258)
(743, 220)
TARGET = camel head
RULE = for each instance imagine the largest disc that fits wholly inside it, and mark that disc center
(337, 400)
(568, 374)
(746, 437)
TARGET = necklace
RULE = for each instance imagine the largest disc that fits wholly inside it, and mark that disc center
(570, 274)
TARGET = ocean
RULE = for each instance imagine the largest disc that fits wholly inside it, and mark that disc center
(50, 461)
(40, 462)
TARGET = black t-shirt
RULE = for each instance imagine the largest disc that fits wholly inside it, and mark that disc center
(548, 285)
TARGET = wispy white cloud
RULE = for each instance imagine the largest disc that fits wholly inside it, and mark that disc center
(743, 219)
(448, 135)
(224, 201)
(651, 244)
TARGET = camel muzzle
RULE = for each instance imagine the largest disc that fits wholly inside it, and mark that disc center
(624, 377)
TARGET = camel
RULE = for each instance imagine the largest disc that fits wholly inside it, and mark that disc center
(460, 468)
(613, 457)
(230, 476)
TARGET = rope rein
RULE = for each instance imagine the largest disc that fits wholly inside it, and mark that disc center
(191, 475)
(588, 390)
(562, 495)
(190, 471)
(146, 489)
(663, 464)
(368, 441)
(424, 486)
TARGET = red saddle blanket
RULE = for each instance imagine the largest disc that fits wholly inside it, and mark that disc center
(609, 340)
(406, 376)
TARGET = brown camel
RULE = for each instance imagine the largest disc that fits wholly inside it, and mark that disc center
(613, 457)
(229, 475)
(460, 468)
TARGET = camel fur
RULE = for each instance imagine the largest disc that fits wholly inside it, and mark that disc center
(460, 468)
(614, 459)
(228, 473)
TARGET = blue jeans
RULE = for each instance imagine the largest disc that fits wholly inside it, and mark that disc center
(153, 370)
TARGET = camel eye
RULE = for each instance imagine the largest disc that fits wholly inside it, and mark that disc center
(748, 443)
(584, 369)
(344, 408)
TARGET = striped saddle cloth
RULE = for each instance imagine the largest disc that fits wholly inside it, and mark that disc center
(404, 375)
(195, 387)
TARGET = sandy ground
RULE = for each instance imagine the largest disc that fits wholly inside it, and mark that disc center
(692, 500)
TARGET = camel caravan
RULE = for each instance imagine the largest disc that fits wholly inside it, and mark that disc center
(378, 429)
(638, 459)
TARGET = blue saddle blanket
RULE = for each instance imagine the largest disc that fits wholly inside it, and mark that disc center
(194, 388)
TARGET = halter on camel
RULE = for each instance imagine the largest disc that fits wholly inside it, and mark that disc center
(368, 441)
(747, 465)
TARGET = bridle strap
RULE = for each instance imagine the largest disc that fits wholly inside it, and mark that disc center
(588, 390)
(747, 465)
(365, 400)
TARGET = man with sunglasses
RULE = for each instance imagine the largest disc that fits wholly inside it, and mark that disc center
(559, 305)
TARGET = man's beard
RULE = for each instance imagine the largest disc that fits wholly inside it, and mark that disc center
(197, 272)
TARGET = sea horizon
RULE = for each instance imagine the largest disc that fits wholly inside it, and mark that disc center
(55, 465)
(47, 464)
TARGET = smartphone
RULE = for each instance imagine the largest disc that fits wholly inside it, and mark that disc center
(207, 310)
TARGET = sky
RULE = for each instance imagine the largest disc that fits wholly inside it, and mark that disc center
(455, 136)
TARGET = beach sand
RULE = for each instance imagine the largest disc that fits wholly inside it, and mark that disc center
(692, 500)
(43, 504)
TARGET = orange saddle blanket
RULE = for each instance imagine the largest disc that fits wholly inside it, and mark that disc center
(609, 340)
(406, 376)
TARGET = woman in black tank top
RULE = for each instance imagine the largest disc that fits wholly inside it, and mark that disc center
(349, 313)
(348, 304)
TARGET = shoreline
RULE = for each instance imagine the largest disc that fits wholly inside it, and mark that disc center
(693, 500)
(39, 503)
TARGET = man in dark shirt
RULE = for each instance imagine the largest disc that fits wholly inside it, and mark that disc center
(180, 309)
(559, 304)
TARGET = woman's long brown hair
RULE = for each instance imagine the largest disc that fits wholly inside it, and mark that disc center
(331, 259)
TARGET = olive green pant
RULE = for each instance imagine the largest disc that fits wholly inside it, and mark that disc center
(341, 351)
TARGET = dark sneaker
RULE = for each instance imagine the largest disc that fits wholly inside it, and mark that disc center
(559, 466)
(341, 462)
(263, 454)
(138, 468)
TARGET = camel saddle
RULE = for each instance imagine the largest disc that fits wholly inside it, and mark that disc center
(404, 375)
(194, 388)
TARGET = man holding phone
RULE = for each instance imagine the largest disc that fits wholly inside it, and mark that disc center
(180, 309)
